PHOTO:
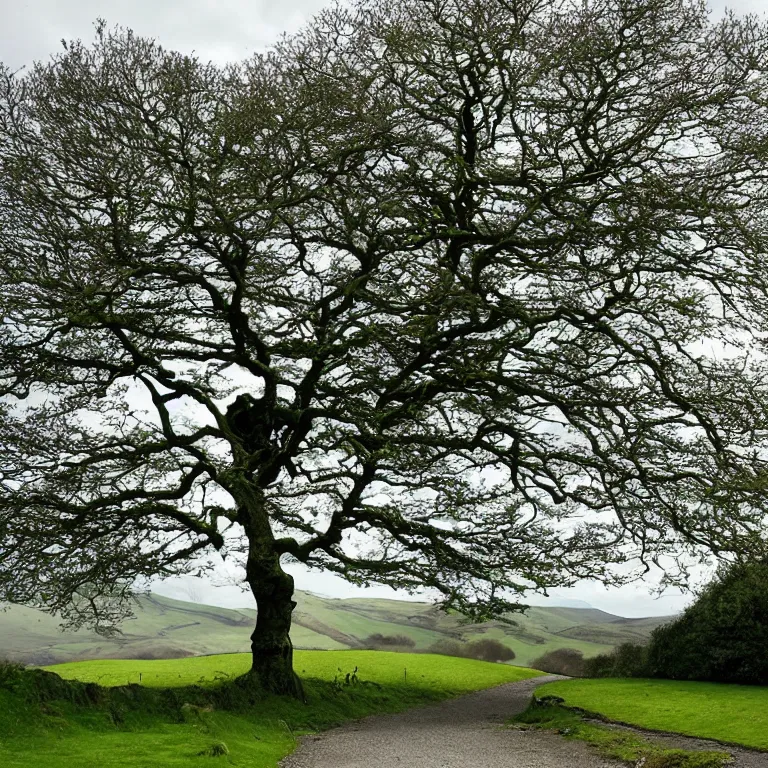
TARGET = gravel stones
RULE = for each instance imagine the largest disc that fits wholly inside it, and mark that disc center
(461, 733)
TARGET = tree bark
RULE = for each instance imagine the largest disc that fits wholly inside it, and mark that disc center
(272, 663)
(272, 587)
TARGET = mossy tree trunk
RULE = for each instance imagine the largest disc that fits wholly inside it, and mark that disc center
(272, 664)
(272, 587)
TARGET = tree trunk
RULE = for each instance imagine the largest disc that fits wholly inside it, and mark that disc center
(272, 663)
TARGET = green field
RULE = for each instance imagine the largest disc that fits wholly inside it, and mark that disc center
(169, 719)
(731, 713)
(166, 628)
(423, 671)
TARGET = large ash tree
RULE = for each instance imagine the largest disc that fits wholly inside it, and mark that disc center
(457, 294)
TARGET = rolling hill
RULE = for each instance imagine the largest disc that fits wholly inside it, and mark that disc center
(167, 628)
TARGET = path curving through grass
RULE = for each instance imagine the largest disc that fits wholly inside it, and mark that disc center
(168, 713)
(462, 733)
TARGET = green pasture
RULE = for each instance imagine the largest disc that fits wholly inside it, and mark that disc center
(423, 671)
(731, 713)
(169, 720)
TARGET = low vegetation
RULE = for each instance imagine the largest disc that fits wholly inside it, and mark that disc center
(620, 745)
(489, 650)
(181, 712)
(377, 641)
(485, 649)
(562, 661)
(626, 660)
(736, 714)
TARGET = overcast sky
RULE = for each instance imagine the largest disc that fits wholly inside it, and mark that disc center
(219, 30)
(229, 30)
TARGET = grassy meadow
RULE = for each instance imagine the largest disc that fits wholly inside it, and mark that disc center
(424, 672)
(737, 714)
(187, 711)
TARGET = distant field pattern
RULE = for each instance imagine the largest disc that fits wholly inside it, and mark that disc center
(167, 628)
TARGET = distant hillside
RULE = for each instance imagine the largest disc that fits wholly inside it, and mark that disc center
(166, 628)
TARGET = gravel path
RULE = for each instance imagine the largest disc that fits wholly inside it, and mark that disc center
(467, 733)
(462, 733)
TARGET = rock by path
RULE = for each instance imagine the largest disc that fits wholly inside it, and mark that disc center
(467, 733)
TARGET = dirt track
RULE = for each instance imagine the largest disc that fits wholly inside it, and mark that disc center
(462, 733)
(466, 733)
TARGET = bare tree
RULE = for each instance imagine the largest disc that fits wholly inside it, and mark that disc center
(427, 296)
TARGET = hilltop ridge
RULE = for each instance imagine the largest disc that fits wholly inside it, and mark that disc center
(165, 628)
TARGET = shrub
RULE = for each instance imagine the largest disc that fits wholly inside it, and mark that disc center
(389, 641)
(598, 666)
(562, 661)
(630, 660)
(489, 650)
(447, 647)
(10, 673)
(626, 660)
(485, 649)
(723, 635)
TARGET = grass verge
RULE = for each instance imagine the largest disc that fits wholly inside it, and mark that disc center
(192, 711)
(735, 714)
(614, 744)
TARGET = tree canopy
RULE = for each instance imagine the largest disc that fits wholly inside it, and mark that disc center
(465, 295)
